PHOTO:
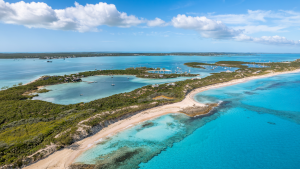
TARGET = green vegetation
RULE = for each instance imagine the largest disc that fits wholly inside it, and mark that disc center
(142, 72)
(43, 91)
(236, 64)
(28, 125)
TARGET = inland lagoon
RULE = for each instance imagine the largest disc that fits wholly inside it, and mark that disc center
(71, 93)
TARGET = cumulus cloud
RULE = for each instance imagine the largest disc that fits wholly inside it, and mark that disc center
(27, 13)
(206, 27)
(156, 22)
(79, 18)
(273, 40)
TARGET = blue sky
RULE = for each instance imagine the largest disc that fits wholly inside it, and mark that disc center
(150, 26)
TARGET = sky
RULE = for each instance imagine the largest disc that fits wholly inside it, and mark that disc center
(269, 26)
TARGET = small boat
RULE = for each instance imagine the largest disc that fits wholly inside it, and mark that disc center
(113, 84)
(81, 94)
(112, 77)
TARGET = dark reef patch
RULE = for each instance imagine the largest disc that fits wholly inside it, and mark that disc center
(272, 123)
(249, 93)
(234, 94)
(272, 86)
(146, 124)
(292, 116)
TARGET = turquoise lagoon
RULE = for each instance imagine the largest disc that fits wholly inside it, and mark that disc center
(71, 93)
(256, 126)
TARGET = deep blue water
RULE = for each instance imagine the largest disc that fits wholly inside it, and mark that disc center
(256, 126)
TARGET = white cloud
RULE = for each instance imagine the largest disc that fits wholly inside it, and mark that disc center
(270, 40)
(206, 27)
(79, 18)
(91, 16)
(156, 22)
(26, 13)
(257, 17)
(218, 30)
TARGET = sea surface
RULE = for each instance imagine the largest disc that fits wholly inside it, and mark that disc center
(14, 71)
(257, 125)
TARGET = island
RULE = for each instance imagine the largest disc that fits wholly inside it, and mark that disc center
(31, 130)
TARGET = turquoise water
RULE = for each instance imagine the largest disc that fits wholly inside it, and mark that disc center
(70, 93)
(256, 126)
(25, 70)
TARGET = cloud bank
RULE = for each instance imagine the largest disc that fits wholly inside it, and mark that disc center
(89, 17)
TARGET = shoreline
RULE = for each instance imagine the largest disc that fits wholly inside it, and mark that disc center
(65, 157)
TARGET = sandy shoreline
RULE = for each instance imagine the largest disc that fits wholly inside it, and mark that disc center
(33, 80)
(63, 158)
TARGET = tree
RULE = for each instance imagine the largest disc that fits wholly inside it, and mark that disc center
(20, 84)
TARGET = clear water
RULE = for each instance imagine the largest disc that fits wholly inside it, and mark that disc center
(256, 126)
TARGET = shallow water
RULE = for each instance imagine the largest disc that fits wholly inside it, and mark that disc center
(71, 93)
(256, 126)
